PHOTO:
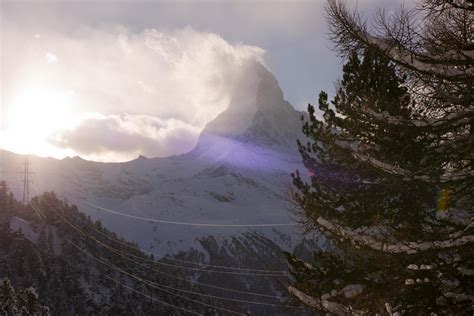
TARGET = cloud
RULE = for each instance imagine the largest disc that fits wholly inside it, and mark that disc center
(125, 136)
(171, 81)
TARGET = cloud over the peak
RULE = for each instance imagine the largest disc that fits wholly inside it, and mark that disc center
(152, 91)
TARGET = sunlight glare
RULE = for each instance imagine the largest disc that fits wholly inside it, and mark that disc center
(34, 115)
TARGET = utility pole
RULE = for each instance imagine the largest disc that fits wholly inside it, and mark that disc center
(26, 181)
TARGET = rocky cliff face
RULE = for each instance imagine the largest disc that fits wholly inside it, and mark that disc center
(257, 121)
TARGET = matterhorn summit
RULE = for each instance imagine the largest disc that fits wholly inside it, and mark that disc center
(258, 125)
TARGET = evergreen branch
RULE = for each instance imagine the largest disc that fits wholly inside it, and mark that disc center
(323, 304)
(408, 248)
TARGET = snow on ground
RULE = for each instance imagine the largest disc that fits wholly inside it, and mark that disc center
(20, 225)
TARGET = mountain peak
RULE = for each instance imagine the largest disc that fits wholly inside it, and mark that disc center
(269, 92)
(257, 117)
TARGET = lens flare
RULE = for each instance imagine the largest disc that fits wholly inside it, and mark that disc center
(444, 199)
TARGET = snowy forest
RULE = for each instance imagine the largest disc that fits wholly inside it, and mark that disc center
(63, 263)
(377, 178)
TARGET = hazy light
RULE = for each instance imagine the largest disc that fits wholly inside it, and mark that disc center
(51, 58)
(32, 115)
(153, 90)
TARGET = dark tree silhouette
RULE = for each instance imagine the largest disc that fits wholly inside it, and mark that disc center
(390, 166)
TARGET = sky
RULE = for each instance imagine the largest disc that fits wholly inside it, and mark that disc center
(110, 80)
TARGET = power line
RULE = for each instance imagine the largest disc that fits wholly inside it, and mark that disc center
(223, 298)
(245, 272)
(147, 283)
(38, 213)
(183, 279)
(205, 270)
(186, 223)
(159, 286)
(37, 210)
(150, 297)
(196, 282)
(184, 261)
(162, 263)
(220, 297)
(159, 271)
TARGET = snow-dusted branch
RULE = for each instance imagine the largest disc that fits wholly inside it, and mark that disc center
(461, 115)
(422, 62)
(396, 170)
(305, 298)
(350, 31)
(447, 177)
(408, 247)
(323, 304)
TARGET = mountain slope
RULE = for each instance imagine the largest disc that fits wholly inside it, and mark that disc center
(236, 176)
(79, 268)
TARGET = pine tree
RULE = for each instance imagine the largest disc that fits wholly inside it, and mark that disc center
(25, 302)
(5, 211)
(390, 180)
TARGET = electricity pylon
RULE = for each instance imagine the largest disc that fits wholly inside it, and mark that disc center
(26, 181)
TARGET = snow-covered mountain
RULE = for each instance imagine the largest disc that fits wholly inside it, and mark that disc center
(231, 186)
(258, 130)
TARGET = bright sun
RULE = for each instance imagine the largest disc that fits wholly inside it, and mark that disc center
(33, 116)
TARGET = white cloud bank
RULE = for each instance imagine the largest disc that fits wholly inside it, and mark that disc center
(151, 92)
(119, 137)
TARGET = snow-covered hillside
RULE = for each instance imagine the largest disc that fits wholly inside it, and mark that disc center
(233, 182)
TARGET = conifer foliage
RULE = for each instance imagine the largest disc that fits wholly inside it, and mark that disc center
(390, 181)
(25, 302)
